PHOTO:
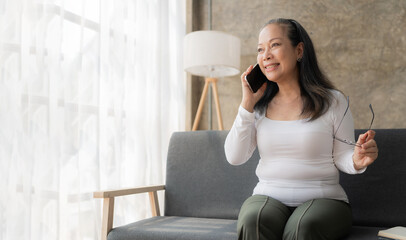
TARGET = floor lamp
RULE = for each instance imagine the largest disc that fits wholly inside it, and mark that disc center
(211, 54)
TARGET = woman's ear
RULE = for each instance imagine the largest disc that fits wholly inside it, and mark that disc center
(299, 50)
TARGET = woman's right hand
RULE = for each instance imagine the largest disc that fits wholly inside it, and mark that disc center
(249, 99)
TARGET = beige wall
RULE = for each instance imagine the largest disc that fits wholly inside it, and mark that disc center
(360, 44)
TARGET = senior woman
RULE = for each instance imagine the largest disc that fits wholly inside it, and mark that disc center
(304, 132)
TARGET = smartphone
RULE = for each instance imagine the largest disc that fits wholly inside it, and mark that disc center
(255, 78)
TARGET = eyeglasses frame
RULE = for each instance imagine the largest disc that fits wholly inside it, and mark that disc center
(346, 110)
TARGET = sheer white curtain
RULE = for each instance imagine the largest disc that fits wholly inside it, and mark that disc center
(90, 92)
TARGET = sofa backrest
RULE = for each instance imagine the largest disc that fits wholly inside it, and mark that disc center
(199, 180)
(201, 183)
(378, 196)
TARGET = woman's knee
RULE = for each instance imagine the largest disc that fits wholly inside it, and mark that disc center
(248, 217)
(310, 228)
(319, 219)
(262, 217)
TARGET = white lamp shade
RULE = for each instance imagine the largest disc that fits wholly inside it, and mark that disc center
(211, 54)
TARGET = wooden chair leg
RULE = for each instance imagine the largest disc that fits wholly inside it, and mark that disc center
(108, 213)
(153, 199)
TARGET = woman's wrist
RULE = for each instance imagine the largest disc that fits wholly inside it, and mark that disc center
(356, 167)
(247, 106)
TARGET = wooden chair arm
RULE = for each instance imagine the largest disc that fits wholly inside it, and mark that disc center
(128, 191)
(108, 203)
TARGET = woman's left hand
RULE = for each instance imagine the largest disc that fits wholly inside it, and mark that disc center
(366, 152)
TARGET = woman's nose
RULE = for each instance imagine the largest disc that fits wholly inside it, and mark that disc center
(267, 54)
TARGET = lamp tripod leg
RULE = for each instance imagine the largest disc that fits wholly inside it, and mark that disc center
(217, 101)
(201, 104)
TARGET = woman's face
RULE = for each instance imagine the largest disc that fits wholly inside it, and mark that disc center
(276, 55)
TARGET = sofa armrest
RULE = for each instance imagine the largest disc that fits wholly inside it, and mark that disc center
(128, 191)
(108, 203)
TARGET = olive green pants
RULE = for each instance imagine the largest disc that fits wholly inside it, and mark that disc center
(262, 217)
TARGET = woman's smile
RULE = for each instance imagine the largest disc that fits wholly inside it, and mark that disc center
(271, 67)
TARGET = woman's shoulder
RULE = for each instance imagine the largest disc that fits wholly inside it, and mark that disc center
(337, 97)
(336, 93)
(339, 102)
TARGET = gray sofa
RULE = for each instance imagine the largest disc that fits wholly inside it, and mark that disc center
(203, 192)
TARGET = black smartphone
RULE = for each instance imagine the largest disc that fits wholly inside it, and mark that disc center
(255, 78)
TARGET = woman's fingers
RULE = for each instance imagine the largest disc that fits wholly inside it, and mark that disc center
(362, 138)
(369, 144)
(371, 150)
(248, 99)
(244, 74)
(368, 152)
(366, 137)
(370, 135)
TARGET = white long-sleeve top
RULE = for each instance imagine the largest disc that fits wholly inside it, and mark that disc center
(299, 160)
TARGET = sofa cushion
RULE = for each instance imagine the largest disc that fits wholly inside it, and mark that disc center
(175, 228)
(171, 228)
(378, 195)
(199, 180)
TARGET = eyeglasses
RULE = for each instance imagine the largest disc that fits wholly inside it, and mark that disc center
(346, 110)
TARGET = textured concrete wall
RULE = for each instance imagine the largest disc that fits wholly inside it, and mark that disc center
(360, 44)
